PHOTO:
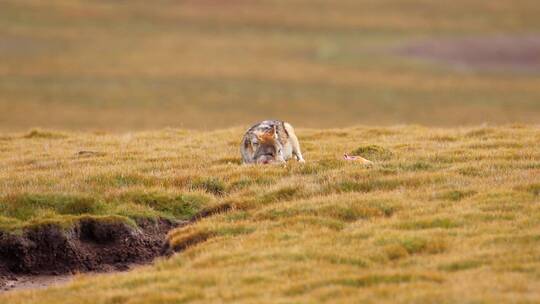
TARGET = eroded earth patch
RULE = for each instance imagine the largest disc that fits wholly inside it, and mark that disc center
(89, 245)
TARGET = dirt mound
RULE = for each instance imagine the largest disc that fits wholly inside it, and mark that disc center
(90, 245)
(517, 53)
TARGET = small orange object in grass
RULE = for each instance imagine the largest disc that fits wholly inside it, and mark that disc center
(357, 158)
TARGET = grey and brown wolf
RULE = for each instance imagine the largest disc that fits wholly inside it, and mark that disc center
(270, 142)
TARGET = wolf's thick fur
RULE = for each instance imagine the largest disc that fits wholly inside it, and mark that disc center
(270, 141)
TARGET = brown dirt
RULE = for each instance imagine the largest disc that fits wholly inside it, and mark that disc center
(25, 282)
(515, 53)
(40, 254)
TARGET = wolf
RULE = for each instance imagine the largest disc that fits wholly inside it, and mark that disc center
(270, 142)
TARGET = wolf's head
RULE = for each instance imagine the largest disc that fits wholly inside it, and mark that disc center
(267, 148)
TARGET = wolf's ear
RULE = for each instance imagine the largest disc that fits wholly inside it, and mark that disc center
(273, 132)
(268, 135)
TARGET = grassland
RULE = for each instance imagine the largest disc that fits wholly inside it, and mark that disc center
(444, 215)
(139, 65)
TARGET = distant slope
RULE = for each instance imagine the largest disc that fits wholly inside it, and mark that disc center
(139, 65)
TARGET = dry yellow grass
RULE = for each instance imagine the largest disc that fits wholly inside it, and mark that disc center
(444, 215)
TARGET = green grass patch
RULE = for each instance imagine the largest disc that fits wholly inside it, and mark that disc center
(121, 180)
(373, 153)
(282, 194)
(371, 184)
(533, 188)
(461, 265)
(17, 210)
(442, 223)
(403, 246)
(455, 195)
(38, 133)
(470, 171)
(27, 206)
(366, 186)
(180, 206)
(361, 282)
(418, 166)
(480, 133)
(345, 211)
(211, 185)
(312, 168)
(355, 210)
(314, 221)
(234, 230)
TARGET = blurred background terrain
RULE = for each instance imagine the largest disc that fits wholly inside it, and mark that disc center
(207, 64)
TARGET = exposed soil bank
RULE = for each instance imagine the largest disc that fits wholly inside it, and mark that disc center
(91, 245)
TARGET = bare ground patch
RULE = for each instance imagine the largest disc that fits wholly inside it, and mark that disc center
(515, 53)
(49, 255)
(40, 254)
(25, 282)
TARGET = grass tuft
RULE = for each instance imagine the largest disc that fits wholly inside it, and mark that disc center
(282, 194)
(455, 195)
(443, 223)
(189, 237)
(373, 153)
(28, 206)
(400, 247)
(182, 206)
(37, 133)
(366, 186)
(210, 185)
(534, 189)
(360, 282)
(461, 265)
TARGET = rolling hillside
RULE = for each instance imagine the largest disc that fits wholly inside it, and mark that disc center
(443, 215)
